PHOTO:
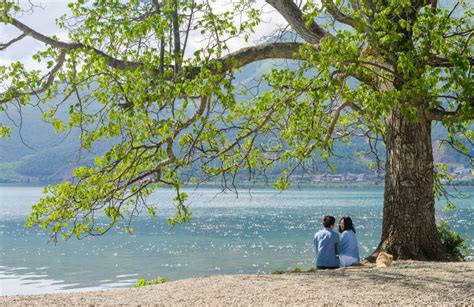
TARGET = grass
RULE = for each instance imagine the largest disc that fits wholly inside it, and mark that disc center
(295, 270)
(142, 282)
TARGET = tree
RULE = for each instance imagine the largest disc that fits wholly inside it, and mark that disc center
(380, 68)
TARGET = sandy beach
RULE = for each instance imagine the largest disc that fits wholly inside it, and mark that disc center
(406, 282)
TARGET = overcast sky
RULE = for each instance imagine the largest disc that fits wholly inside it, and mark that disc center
(43, 20)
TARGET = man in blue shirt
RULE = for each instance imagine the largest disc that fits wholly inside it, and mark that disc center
(327, 245)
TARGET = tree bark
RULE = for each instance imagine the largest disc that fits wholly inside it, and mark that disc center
(409, 228)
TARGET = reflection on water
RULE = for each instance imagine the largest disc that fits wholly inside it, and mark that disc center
(255, 233)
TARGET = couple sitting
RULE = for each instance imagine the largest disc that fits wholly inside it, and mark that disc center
(333, 251)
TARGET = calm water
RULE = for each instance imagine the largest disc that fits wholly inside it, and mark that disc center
(255, 233)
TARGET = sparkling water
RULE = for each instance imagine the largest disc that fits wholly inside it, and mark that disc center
(259, 231)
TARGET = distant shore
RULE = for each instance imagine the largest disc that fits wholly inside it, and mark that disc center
(406, 282)
(259, 184)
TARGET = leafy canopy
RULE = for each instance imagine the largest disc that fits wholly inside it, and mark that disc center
(127, 73)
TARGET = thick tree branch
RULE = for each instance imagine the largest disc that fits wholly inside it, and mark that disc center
(113, 62)
(337, 14)
(248, 55)
(236, 59)
(439, 115)
(443, 62)
(312, 33)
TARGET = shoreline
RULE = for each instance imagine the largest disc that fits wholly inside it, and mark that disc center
(406, 282)
(263, 185)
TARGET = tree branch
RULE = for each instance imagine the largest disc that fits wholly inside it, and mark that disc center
(49, 81)
(337, 14)
(312, 33)
(248, 55)
(113, 62)
(236, 59)
(176, 36)
(443, 62)
(6, 45)
(335, 119)
(439, 115)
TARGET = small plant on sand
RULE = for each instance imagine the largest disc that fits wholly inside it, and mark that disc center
(456, 245)
(141, 282)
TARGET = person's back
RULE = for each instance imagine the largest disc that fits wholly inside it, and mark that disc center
(326, 245)
(349, 244)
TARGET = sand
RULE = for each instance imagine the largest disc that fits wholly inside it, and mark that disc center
(406, 282)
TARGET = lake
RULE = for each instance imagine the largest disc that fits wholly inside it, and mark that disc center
(260, 231)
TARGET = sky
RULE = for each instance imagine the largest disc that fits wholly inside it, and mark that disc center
(42, 19)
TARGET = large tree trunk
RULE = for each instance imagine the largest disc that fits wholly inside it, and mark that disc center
(409, 230)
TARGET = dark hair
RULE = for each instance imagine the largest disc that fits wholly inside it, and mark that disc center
(328, 221)
(348, 225)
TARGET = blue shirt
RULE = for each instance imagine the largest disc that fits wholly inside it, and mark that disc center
(349, 245)
(326, 246)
